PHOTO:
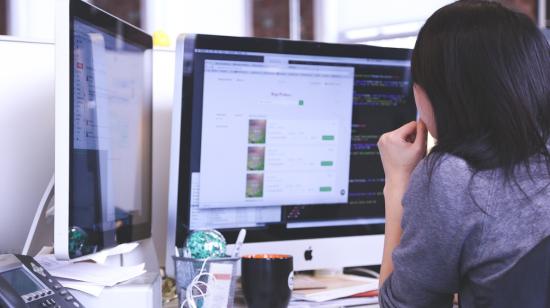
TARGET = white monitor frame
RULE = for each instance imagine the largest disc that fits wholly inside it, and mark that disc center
(62, 127)
(174, 162)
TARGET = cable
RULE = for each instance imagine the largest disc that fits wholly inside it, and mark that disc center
(367, 271)
(196, 284)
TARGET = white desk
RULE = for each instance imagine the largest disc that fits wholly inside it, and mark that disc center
(240, 304)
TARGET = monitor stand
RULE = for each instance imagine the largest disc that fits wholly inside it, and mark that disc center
(328, 272)
(142, 291)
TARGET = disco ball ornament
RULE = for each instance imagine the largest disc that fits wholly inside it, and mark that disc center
(206, 244)
(77, 241)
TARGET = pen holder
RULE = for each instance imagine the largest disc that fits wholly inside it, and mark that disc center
(188, 268)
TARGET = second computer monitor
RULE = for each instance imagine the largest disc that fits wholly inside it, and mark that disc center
(279, 137)
(103, 130)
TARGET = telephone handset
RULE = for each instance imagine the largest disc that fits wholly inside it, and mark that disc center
(26, 284)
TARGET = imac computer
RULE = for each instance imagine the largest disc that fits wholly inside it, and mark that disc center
(103, 131)
(280, 138)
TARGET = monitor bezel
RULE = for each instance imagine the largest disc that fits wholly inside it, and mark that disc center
(66, 13)
(261, 45)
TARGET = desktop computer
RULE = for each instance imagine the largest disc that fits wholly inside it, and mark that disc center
(103, 128)
(280, 137)
(103, 147)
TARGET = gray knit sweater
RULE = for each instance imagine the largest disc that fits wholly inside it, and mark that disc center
(460, 232)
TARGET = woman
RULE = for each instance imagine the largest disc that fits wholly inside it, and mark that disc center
(459, 218)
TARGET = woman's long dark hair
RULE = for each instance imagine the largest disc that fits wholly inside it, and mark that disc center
(486, 70)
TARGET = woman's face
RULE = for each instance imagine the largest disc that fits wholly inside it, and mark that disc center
(425, 110)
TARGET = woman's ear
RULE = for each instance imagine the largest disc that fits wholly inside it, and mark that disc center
(425, 109)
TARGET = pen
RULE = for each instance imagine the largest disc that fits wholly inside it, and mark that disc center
(239, 243)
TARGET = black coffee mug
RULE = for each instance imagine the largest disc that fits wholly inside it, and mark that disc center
(267, 280)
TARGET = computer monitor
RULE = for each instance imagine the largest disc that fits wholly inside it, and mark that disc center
(280, 137)
(103, 128)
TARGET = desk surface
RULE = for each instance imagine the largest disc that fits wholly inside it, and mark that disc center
(174, 304)
(240, 302)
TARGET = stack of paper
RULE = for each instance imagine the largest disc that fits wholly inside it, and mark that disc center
(343, 302)
(91, 276)
(98, 274)
(85, 287)
(332, 287)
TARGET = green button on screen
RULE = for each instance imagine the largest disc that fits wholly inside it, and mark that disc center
(328, 137)
(325, 189)
(327, 163)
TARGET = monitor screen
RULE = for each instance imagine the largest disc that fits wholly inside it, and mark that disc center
(280, 137)
(110, 132)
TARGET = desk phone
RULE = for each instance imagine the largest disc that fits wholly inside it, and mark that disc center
(24, 283)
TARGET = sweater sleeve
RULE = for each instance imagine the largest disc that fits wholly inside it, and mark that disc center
(437, 220)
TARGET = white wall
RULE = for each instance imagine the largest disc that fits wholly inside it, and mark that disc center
(34, 19)
(334, 17)
(364, 13)
(26, 135)
(227, 17)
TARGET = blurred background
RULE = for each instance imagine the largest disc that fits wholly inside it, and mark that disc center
(377, 22)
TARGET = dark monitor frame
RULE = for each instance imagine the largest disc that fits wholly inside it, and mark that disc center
(261, 45)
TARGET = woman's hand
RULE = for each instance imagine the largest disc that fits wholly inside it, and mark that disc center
(401, 150)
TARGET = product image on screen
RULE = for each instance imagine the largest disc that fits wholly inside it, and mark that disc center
(254, 185)
(256, 131)
(256, 158)
(110, 153)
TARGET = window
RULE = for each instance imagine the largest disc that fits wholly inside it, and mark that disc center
(271, 18)
(528, 7)
(3, 17)
(127, 10)
(307, 19)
